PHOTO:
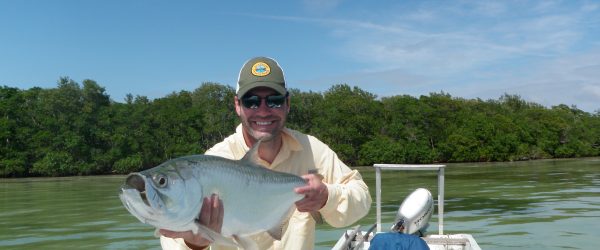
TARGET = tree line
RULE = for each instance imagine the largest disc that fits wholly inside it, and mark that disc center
(76, 129)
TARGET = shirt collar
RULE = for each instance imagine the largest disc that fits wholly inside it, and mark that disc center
(289, 139)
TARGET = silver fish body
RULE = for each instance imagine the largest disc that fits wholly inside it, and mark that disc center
(255, 199)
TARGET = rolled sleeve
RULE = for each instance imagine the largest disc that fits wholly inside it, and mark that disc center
(348, 200)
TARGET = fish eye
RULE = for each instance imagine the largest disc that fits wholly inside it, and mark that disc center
(160, 180)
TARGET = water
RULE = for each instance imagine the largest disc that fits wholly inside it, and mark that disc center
(550, 204)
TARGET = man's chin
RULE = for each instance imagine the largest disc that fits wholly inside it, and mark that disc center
(263, 136)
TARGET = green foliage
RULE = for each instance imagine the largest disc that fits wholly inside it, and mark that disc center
(346, 119)
(381, 149)
(129, 164)
(57, 163)
(304, 108)
(216, 106)
(75, 129)
(13, 167)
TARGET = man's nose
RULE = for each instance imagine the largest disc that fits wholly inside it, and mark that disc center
(262, 106)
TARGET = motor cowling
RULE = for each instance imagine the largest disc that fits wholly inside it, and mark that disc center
(414, 212)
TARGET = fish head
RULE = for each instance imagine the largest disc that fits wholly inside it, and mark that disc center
(160, 197)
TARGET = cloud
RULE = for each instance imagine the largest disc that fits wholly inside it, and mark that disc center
(590, 7)
(570, 80)
(320, 6)
(381, 83)
(594, 91)
(545, 51)
(490, 8)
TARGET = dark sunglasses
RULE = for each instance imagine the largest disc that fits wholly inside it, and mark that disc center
(273, 101)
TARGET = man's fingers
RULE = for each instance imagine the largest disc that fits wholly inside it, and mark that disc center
(303, 189)
(166, 232)
(312, 177)
(214, 210)
(211, 215)
(315, 194)
(172, 234)
(205, 211)
(221, 212)
(312, 183)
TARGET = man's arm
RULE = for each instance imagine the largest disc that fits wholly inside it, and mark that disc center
(347, 195)
(348, 200)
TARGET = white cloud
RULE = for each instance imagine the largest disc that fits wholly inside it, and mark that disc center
(594, 91)
(545, 6)
(320, 6)
(421, 15)
(490, 8)
(539, 50)
(590, 7)
(570, 80)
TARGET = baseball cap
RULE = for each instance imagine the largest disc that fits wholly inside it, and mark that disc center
(260, 72)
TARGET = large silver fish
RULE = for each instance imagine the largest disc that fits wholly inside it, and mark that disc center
(255, 199)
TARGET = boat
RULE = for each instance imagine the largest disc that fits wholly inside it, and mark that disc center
(357, 239)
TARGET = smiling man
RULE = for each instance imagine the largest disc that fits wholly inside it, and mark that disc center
(333, 190)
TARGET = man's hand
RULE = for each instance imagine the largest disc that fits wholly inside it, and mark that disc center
(315, 193)
(211, 216)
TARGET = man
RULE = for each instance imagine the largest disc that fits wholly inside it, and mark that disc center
(335, 191)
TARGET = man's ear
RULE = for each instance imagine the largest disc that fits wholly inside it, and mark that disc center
(238, 108)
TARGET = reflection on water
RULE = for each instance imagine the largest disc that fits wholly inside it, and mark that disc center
(550, 204)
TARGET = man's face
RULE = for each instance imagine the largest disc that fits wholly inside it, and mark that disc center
(262, 122)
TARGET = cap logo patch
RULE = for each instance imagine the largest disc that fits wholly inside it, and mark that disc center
(260, 69)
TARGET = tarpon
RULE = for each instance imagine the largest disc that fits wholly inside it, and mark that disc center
(255, 199)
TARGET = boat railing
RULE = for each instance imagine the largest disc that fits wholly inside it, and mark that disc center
(440, 199)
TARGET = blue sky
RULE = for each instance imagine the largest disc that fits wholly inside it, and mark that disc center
(547, 52)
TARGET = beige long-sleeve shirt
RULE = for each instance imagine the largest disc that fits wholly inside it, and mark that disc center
(348, 200)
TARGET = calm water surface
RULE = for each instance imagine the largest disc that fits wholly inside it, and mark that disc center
(550, 204)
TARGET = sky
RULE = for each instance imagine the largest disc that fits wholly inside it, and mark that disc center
(547, 52)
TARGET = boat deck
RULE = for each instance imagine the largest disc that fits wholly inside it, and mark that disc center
(451, 242)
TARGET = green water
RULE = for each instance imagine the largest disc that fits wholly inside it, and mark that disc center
(550, 204)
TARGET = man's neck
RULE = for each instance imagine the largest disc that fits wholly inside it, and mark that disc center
(268, 150)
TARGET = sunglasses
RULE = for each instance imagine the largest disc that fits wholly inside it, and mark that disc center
(273, 101)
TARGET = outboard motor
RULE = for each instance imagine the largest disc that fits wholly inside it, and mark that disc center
(412, 217)
(414, 212)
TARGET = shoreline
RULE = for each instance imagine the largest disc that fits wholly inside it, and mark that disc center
(351, 167)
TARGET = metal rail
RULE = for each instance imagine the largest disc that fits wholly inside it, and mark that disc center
(439, 168)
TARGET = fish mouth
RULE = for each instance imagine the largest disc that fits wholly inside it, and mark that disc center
(137, 182)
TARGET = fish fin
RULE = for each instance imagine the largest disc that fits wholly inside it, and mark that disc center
(316, 215)
(252, 154)
(213, 236)
(276, 232)
(245, 243)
